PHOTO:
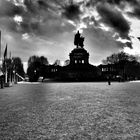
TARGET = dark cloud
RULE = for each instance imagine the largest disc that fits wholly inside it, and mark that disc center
(8, 9)
(31, 7)
(102, 39)
(100, 44)
(8, 24)
(48, 18)
(34, 6)
(46, 24)
(135, 12)
(114, 19)
(118, 2)
(72, 12)
(113, 2)
(42, 3)
(129, 45)
(40, 17)
(54, 28)
(134, 4)
(15, 10)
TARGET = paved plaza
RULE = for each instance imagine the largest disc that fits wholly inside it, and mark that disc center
(70, 111)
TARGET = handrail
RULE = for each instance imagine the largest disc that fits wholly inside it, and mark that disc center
(20, 76)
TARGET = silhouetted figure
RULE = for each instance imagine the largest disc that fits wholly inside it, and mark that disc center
(109, 80)
(2, 81)
(79, 40)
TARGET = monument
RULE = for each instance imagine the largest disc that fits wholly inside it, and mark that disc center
(79, 68)
(79, 55)
(79, 40)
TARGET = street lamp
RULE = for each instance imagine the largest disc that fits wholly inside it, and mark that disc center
(35, 72)
(14, 76)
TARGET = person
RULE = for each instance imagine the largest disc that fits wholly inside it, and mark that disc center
(77, 39)
(2, 81)
(109, 81)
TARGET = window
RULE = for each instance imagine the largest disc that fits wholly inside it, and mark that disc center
(83, 61)
(75, 61)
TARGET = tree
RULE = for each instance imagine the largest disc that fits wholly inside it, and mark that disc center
(33, 68)
(116, 58)
(11, 66)
(36, 67)
(34, 60)
(18, 66)
(127, 65)
(43, 66)
(44, 60)
(7, 68)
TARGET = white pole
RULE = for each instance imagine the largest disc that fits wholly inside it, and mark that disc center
(6, 75)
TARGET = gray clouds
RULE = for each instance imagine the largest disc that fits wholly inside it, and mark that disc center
(39, 12)
(8, 9)
(53, 18)
(114, 19)
(35, 15)
(72, 12)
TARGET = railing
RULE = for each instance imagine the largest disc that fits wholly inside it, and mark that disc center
(20, 76)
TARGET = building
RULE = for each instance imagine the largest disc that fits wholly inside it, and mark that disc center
(120, 71)
(112, 71)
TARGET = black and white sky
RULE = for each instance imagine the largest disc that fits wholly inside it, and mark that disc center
(47, 27)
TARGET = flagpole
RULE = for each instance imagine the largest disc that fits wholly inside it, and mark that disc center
(5, 56)
(10, 68)
(5, 73)
(10, 72)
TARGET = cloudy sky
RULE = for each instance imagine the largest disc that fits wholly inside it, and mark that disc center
(47, 27)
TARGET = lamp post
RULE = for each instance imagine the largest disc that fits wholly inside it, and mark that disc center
(109, 74)
(34, 78)
(14, 76)
(35, 72)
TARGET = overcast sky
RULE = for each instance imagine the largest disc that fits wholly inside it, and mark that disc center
(47, 27)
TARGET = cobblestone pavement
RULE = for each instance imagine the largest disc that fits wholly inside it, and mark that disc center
(70, 111)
